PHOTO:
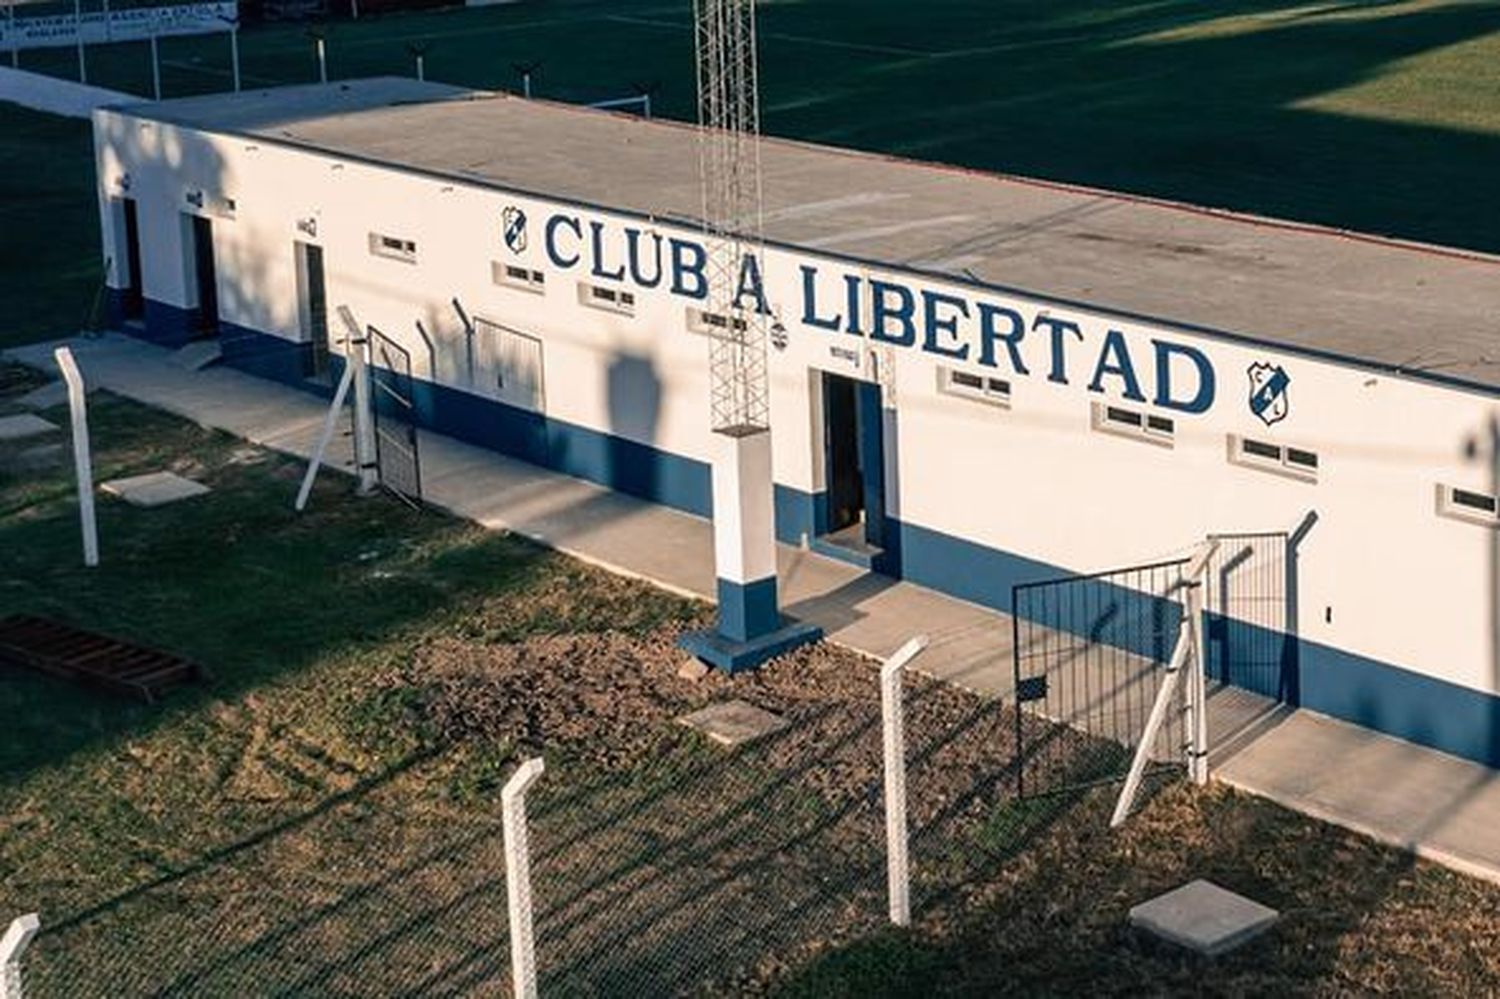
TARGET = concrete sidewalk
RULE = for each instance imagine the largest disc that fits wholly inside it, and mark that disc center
(1438, 806)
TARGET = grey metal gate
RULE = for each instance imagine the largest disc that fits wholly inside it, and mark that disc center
(1250, 611)
(1090, 653)
(397, 458)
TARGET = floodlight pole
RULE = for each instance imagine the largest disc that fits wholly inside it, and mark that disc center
(155, 67)
(82, 462)
(234, 52)
(83, 72)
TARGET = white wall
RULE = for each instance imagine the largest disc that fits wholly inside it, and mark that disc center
(1382, 575)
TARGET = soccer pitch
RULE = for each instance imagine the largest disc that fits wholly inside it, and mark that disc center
(1379, 116)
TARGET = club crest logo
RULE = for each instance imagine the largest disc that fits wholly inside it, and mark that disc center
(778, 335)
(513, 223)
(1268, 392)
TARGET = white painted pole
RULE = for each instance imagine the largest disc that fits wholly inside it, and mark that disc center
(15, 39)
(83, 72)
(322, 62)
(354, 9)
(234, 53)
(898, 866)
(82, 463)
(330, 422)
(364, 423)
(518, 877)
(1154, 721)
(421, 71)
(13, 944)
(155, 68)
(526, 84)
(1198, 764)
(648, 106)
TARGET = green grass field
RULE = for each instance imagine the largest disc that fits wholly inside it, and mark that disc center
(1380, 115)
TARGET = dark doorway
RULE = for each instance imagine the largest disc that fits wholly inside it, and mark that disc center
(313, 309)
(207, 317)
(854, 442)
(133, 298)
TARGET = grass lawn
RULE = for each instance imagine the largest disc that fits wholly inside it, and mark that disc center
(321, 816)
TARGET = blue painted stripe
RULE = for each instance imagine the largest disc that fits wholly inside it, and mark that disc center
(1381, 696)
(748, 610)
(168, 325)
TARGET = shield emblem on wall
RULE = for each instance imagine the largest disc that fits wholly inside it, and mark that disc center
(513, 223)
(1268, 392)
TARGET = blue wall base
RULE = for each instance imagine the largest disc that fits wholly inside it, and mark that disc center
(731, 656)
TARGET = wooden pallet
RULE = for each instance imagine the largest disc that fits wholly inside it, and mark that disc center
(92, 659)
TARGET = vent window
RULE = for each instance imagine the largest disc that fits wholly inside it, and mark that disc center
(599, 296)
(393, 247)
(1297, 462)
(1126, 422)
(968, 385)
(516, 276)
(1469, 504)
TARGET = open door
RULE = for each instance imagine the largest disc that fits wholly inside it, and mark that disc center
(854, 460)
(132, 298)
(206, 317)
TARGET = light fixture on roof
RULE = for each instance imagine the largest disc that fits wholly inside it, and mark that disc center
(308, 226)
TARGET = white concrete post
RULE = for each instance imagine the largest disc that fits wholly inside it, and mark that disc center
(12, 945)
(648, 106)
(83, 71)
(15, 39)
(518, 877)
(329, 423)
(155, 67)
(82, 462)
(354, 10)
(421, 69)
(898, 867)
(356, 356)
(1198, 761)
(322, 62)
(526, 84)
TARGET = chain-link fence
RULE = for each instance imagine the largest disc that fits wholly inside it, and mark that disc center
(692, 868)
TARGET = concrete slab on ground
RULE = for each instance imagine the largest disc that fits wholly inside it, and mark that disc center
(154, 489)
(197, 356)
(45, 397)
(733, 723)
(1436, 805)
(1204, 918)
(24, 425)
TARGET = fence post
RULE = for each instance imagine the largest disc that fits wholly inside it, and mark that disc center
(17, 937)
(82, 462)
(1198, 762)
(898, 868)
(365, 458)
(518, 877)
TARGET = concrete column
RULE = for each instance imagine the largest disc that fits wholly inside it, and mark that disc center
(750, 627)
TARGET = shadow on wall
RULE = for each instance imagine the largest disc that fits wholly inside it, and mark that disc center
(633, 396)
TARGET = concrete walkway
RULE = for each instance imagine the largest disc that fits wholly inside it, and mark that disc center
(1433, 804)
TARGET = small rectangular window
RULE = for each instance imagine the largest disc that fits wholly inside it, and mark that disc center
(1126, 422)
(1297, 462)
(710, 323)
(604, 297)
(981, 388)
(516, 276)
(393, 247)
(1469, 504)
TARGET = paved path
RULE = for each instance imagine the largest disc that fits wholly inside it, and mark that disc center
(1436, 805)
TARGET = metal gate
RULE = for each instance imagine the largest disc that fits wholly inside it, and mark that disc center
(1250, 615)
(397, 460)
(1090, 653)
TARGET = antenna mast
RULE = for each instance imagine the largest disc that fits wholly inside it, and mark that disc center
(750, 626)
(729, 163)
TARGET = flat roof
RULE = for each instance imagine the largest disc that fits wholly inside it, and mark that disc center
(1422, 310)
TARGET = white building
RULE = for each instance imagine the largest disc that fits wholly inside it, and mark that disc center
(976, 380)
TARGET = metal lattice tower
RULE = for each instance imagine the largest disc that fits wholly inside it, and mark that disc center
(729, 156)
